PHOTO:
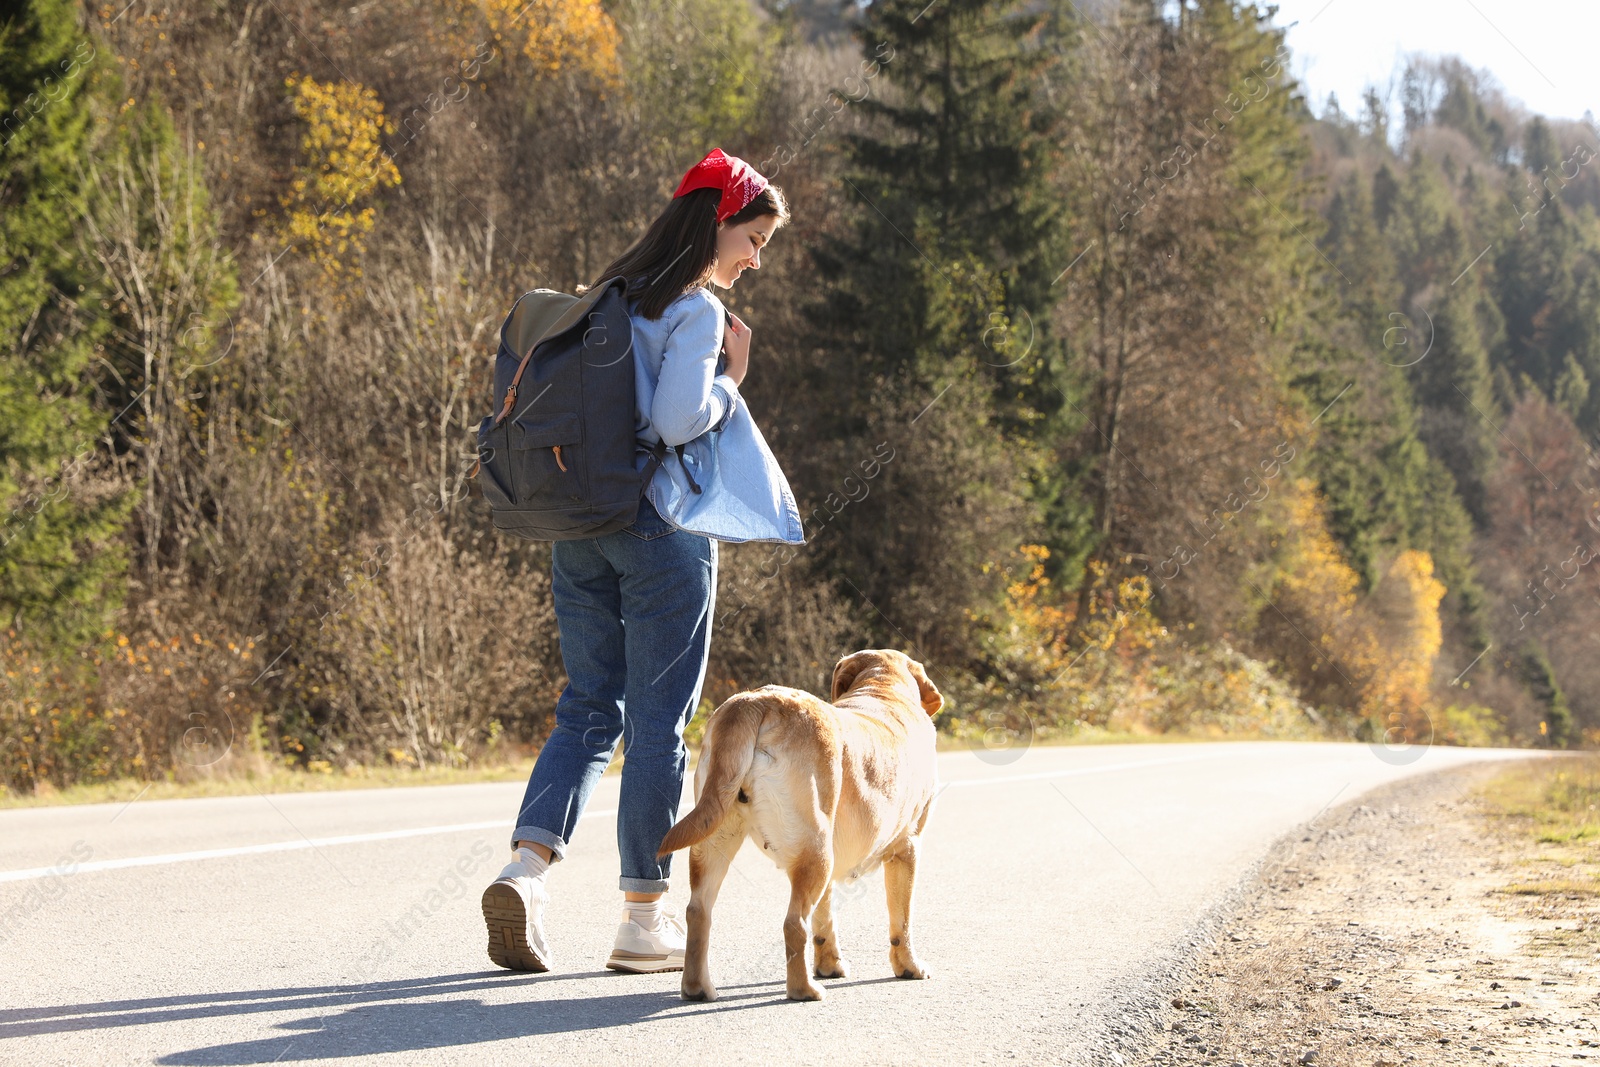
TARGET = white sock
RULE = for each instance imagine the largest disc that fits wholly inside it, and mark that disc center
(534, 864)
(647, 913)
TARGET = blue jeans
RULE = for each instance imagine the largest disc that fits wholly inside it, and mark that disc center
(634, 610)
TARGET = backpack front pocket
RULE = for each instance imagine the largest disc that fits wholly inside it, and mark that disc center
(547, 469)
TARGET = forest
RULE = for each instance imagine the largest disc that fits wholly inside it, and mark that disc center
(1128, 389)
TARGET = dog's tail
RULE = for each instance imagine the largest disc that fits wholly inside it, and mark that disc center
(731, 747)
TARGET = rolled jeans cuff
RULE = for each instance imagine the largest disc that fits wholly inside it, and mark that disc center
(642, 885)
(539, 835)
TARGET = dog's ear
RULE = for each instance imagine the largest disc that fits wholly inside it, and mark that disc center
(932, 699)
(845, 671)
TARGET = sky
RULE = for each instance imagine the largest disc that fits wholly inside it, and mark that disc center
(1545, 53)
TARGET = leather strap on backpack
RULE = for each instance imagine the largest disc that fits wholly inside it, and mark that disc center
(569, 319)
(516, 379)
(659, 452)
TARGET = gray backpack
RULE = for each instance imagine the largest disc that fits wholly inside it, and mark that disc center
(556, 458)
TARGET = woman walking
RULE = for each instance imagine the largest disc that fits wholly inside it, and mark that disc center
(635, 606)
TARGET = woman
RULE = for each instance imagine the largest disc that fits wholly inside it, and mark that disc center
(634, 607)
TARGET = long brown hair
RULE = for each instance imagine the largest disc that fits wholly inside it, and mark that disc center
(679, 250)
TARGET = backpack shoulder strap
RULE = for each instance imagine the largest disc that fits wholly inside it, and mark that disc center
(538, 316)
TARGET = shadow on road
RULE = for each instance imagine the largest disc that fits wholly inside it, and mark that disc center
(381, 1017)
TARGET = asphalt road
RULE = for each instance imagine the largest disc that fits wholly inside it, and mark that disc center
(1059, 888)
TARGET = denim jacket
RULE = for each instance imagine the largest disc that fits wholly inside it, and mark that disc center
(683, 401)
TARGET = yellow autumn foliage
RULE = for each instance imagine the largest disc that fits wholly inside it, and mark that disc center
(1119, 616)
(109, 714)
(1314, 569)
(1377, 651)
(1411, 634)
(344, 164)
(557, 34)
(1027, 607)
(1123, 673)
(1370, 653)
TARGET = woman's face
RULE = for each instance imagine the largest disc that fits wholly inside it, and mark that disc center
(739, 248)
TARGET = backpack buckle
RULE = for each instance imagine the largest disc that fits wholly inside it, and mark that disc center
(660, 450)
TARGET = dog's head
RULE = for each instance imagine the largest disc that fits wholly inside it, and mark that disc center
(888, 662)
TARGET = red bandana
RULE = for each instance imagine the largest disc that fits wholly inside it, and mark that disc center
(738, 180)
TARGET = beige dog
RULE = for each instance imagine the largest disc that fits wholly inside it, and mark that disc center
(830, 791)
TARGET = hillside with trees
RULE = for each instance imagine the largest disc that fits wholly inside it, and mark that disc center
(1125, 387)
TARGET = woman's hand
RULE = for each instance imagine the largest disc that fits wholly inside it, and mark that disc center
(736, 343)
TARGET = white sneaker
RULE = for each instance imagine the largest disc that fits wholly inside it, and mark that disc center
(513, 909)
(645, 951)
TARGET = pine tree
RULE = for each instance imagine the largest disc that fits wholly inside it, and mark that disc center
(1384, 491)
(1371, 295)
(1549, 294)
(1540, 152)
(1452, 389)
(1462, 108)
(934, 308)
(1557, 728)
(1385, 194)
(1444, 302)
(952, 177)
(60, 560)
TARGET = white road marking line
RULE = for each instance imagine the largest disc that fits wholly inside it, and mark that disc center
(390, 835)
(248, 850)
(62, 870)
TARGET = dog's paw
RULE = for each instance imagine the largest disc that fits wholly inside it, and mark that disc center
(809, 991)
(835, 968)
(705, 993)
(906, 965)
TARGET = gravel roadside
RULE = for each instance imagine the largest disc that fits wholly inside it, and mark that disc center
(1418, 926)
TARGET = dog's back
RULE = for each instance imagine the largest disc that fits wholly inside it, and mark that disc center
(781, 766)
(889, 778)
(769, 769)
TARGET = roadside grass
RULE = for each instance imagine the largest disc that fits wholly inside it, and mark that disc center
(259, 773)
(266, 778)
(1553, 805)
